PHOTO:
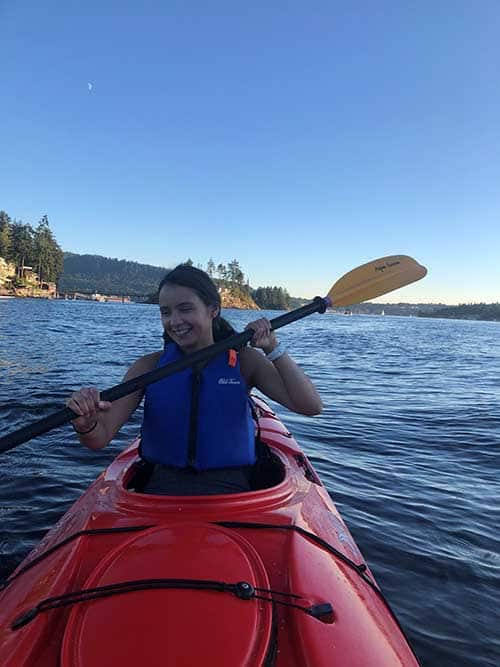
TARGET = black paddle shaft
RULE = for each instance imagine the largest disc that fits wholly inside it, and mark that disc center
(11, 440)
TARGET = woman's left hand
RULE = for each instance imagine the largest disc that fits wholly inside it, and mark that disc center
(263, 337)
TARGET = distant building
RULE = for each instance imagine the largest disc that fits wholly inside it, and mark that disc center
(25, 272)
(117, 299)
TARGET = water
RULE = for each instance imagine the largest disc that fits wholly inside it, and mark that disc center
(408, 446)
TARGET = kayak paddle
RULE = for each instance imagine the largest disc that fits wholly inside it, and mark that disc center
(362, 283)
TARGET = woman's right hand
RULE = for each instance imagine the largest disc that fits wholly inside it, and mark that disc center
(87, 404)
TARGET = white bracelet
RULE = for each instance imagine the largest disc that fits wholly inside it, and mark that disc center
(278, 352)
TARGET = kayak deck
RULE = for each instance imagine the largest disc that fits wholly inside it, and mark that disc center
(267, 577)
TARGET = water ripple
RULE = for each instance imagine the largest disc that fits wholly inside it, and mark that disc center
(408, 447)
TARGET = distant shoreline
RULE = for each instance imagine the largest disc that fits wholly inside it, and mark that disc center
(472, 312)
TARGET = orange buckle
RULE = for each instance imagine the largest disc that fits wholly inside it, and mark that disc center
(232, 358)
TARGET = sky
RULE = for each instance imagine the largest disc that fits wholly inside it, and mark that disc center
(302, 139)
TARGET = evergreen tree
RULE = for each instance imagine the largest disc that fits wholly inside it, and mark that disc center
(23, 251)
(43, 246)
(235, 273)
(5, 236)
(271, 298)
(222, 272)
(211, 268)
(49, 256)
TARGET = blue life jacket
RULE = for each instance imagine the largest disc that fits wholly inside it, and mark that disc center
(199, 419)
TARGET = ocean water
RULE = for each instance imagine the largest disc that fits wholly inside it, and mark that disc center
(408, 446)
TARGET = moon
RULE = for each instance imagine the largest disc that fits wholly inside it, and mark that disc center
(89, 86)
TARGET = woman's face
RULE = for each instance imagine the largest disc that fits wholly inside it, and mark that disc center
(185, 318)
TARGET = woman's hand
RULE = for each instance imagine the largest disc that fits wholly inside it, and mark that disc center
(86, 403)
(263, 337)
(281, 380)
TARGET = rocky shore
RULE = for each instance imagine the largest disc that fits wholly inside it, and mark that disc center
(241, 301)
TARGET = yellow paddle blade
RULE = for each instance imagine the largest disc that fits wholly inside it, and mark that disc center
(375, 278)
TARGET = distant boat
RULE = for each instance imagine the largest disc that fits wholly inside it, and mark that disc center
(382, 313)
(347, 312)
(6, 296)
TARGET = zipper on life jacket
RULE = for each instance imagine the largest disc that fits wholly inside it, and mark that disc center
(193, 419)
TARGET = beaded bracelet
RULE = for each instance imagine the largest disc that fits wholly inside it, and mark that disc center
(85, 432)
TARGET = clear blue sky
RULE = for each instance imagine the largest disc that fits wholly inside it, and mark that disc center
(301, 138)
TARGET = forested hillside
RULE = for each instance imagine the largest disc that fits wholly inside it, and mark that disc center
(467, 311)
(271, 298)
(93, 273)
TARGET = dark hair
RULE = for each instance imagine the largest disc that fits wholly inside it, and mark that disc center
(201, 283)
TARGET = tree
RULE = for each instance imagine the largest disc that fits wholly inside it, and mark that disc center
(189, 261)
(234, 272)
(211, 268)
(49, 256)
(43, 241)
(271, 298)
(222, 271)
(22, 245)
(5, 235)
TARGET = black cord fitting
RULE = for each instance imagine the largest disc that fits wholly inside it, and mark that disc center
(323, 612)
(244, 590)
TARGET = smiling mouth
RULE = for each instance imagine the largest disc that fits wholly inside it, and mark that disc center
(180, 333)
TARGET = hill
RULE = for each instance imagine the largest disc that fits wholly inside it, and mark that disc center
(489, 312)
(88, 274)
(472, 311)
(93, 273)
(403, 309)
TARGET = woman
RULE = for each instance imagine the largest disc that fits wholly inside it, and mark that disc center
(197, 428)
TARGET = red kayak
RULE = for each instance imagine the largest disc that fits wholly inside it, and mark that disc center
(267, 577)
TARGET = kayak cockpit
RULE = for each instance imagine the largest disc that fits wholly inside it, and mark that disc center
(267, 472)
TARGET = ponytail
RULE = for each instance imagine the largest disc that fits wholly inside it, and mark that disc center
(221, 329)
